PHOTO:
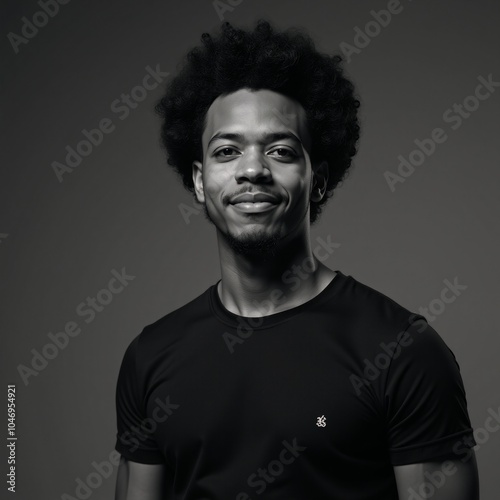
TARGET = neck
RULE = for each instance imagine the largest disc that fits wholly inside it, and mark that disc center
(257, 285)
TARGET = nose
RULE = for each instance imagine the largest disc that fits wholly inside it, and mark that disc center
(253, 167)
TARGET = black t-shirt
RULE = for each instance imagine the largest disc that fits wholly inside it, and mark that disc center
(314, 402)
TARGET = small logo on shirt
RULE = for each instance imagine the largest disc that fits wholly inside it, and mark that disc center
(321, 421)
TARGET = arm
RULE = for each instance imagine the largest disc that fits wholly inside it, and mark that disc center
(427, 418)
(137, 481)
(142, 472)
(451, 479)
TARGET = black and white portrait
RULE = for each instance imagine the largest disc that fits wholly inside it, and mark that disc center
(248, 250)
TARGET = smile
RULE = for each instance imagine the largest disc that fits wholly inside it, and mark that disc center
(254, 207)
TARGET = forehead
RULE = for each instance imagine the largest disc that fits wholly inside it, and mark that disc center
(254, 113)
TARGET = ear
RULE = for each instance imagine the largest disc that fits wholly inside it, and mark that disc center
(198, 181)
(319, 181)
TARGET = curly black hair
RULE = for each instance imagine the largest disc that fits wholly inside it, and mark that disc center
(285, 62)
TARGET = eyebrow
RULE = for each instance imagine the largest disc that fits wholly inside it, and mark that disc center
(272, 137)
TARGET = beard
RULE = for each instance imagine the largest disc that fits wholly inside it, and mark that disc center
(256, 244)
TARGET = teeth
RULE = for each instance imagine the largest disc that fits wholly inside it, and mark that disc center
(253, 202)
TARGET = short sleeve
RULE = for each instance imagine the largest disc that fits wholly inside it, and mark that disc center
(134, 439)
(425, 400)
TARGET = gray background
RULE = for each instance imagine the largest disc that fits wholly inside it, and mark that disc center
(120, 206)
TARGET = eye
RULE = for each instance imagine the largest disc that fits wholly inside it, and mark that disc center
(225, 152)
(283, 153)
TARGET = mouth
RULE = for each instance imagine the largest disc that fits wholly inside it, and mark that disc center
(257, 202)
(254, 207)
(254, 197)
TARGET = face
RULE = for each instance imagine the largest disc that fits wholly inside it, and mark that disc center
(256, 180)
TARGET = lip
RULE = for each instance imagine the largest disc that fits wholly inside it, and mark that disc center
(254, 198)
(249, 207)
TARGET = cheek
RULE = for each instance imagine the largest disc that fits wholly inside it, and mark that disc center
(215, 178)
(297, 188)
(215, 184)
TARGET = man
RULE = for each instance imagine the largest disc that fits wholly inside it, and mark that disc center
(285, 379)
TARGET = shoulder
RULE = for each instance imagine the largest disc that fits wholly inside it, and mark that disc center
(373, 315)
(165, 331)
(412, 328)
(199, 306)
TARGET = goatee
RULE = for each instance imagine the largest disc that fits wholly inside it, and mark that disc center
(261, 246)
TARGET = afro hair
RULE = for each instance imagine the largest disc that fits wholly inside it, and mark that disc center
(285, 62)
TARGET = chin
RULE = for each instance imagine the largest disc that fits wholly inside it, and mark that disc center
(254, 244)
